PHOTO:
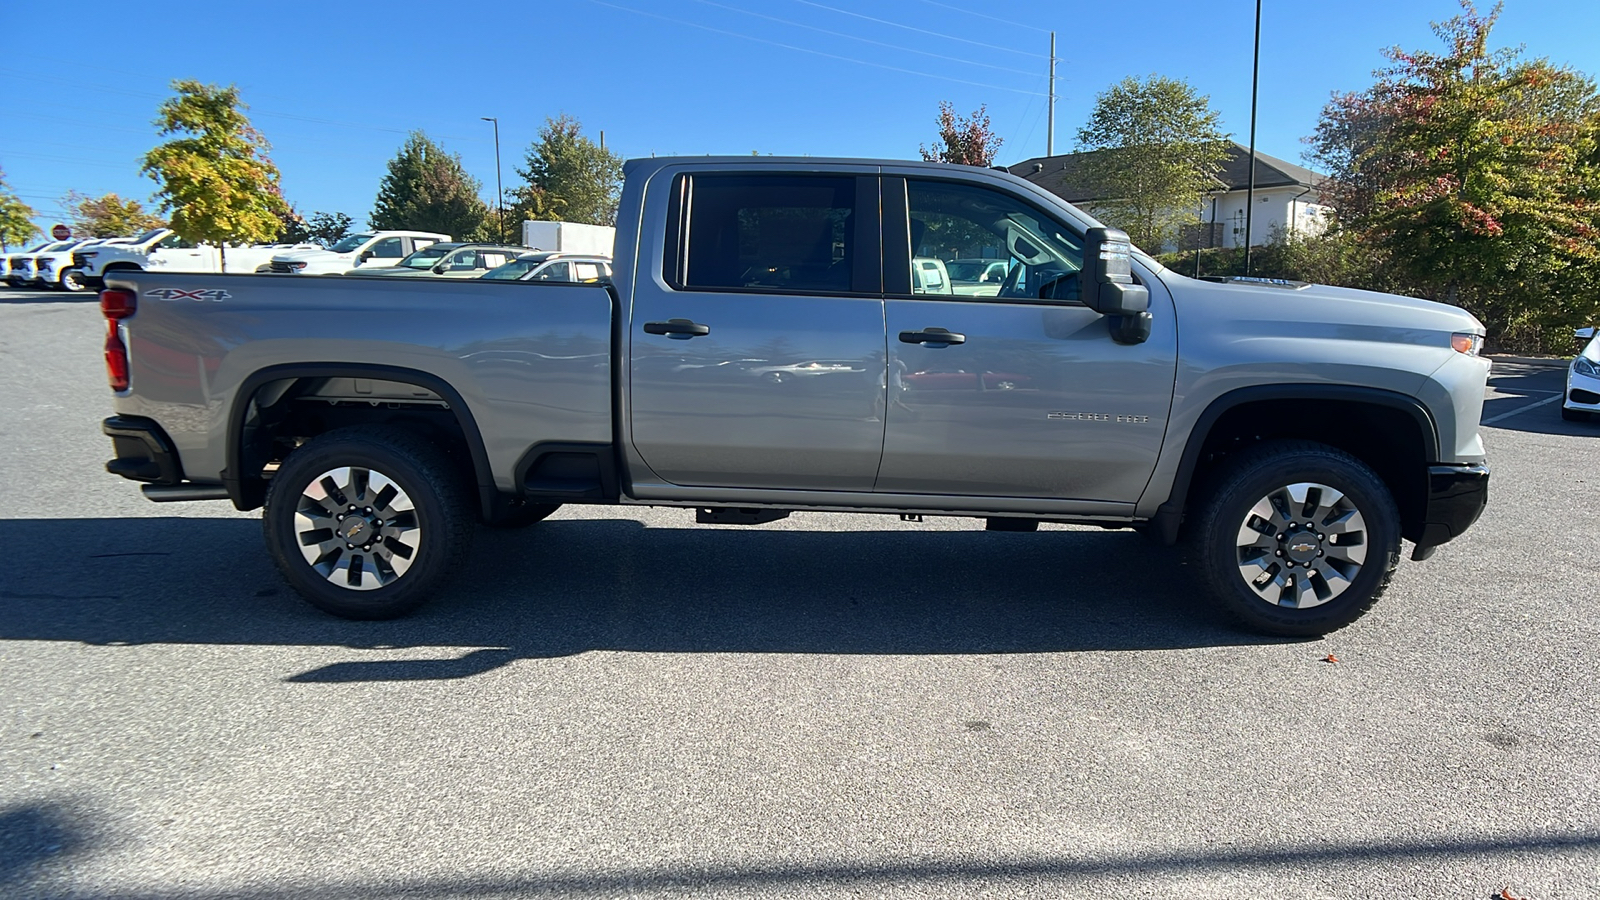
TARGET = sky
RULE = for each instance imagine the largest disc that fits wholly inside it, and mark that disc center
(336, 89)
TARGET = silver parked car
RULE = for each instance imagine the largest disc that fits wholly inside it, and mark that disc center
(447, 260)
(551, 266)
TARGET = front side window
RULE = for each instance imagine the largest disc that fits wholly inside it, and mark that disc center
(388, 248)
(556, 271)
(512, 270)
(978, 243)
(791, 233)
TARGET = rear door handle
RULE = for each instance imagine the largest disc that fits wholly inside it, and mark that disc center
(932, 336)
(678, 328)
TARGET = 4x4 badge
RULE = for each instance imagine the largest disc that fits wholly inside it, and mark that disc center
(177, 294)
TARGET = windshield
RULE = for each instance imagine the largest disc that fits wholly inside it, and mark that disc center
(425, 258)
(150, 235)
(352, 242)
(513, 270)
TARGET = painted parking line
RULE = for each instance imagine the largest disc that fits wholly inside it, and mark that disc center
(1522, 409)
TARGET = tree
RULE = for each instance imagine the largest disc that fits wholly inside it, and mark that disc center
(216, 180)
(327, 228)
(569, 177)
(16, 217)
(1159, 149)
(427, 189)
(963, 141)
(108, 216)
(1478, 172)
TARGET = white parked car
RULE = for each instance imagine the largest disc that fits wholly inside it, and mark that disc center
(573, 267)
(162, 250)
(1582, 399)
(11, 262)
(361, 250)
(447, 260)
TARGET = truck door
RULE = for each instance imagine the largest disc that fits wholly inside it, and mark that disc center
(756, 342)
(1010, 395)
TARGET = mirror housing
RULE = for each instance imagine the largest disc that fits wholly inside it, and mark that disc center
(365, 255)
(1107, 284)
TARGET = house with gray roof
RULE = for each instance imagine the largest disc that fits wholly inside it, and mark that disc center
(1287, 196)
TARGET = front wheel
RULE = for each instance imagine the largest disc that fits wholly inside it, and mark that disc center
(366, 523)
(72, 281)
(1297, 538)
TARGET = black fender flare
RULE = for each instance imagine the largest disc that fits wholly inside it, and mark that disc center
(1169, 515)
(248, 494)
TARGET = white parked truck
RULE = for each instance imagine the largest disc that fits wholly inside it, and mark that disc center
(162, 250)
(360, 250)
(569, 237)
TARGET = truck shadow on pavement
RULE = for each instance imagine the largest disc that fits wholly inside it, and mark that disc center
(566, 586)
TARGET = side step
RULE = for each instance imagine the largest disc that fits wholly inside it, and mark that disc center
(730, 515)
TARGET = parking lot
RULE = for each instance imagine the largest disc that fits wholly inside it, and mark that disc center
(619, 703)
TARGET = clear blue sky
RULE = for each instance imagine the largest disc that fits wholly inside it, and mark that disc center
(336, 89)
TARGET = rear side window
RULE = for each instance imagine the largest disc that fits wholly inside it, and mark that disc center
(784, 233)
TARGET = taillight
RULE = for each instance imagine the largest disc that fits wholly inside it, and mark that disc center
(117, 305)
(116, 358)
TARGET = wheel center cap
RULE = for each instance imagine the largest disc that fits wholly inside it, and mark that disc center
(1301, 546)
(356, 530)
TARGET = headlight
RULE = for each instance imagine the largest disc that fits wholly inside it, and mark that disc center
(1470, 344)
(1584, 366)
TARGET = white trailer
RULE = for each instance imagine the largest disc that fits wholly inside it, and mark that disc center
(569, 237)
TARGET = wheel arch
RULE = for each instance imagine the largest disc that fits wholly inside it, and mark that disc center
(1400, 441)
(248, 490)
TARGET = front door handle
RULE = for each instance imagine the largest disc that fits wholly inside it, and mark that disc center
(939, 336)
(677, 328)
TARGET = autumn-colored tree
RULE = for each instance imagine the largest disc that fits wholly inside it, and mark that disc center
(216, 180)
(1153, 148)
(569, 177)
(963, 140)
(1477, 171)
(108, 216)
(427, 189)
(16, 217)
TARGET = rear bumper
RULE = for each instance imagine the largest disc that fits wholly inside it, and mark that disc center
(143, 451)
(1457, 495)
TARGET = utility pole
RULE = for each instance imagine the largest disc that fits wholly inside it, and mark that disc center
(1250, 193)
(1050, 123)
(500, 194)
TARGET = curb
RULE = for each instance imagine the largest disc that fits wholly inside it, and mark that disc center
(1543, 362)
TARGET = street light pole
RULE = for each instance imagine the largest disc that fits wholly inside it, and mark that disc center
(499, 192)
(1250, 195)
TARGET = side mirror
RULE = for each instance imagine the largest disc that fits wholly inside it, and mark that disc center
(438, 269)
(1107, 285)
(365, 255)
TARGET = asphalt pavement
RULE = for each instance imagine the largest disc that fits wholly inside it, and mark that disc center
(620, 703)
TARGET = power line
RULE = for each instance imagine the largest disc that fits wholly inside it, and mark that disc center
(846, 12)
(854, 37)
(989, 17)
(640, 12)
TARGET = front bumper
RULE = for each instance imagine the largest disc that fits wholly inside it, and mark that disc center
(1457, 495)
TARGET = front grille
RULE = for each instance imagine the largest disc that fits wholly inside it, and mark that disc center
(281, 268)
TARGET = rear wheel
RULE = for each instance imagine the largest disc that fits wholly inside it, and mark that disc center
(366, 523)
(1297, 538)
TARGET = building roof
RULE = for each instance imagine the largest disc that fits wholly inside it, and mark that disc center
(1063, 175)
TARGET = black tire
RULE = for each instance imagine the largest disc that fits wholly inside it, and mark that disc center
(1575, 415)
(406, 576)
(1263, 473)
(524, 515)
(72, 282)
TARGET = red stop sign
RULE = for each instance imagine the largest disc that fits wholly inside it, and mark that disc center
(60, 232)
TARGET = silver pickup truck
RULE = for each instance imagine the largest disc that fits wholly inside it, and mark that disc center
(764, 348)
